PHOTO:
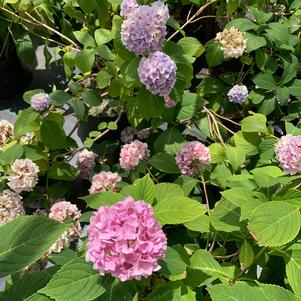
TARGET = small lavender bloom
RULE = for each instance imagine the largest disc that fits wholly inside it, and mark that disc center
(158, 73)
(127, 6)
(144, 29)
(40, 102)
(238, 94)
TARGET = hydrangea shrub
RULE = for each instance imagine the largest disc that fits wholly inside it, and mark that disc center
(185, 184)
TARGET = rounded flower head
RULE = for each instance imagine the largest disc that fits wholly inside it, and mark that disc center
(127, 6)
(6, 132)
(25, 175)
(132, 153)
(127, 135)
(62, 212)
(192, 157)
(238, 94)
(104, 181)
(86, 163)
(125, 240)
(40, 102)
(158, 73)
(232, 42)
(144, 29)
(11, 206)
(288, 151)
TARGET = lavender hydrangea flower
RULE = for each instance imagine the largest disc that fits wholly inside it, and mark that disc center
(127, 6)
(144, 29)
(238, 94)
(40, 102)
(158, 73)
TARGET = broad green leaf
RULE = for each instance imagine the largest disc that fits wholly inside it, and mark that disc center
(265, 81)
(248, 142)
(214, 55)
(103, 79)
(85, 60)
(11, 152)
(53, 134)
(28, 121)
(25, 49)
(143, 189)
(102, 36)
(241, 24)
(38, 297)
(246, 254)
(63, 257)
(235, 155)
(203, 260)
(254, 42)
(254, 123)
(187, 183)
(190, 106)
(164, 162)
(107, 198)
(178, 210)
(217, 153)
(23, 241)
(59, 97)
(200, 224)
(75, 281)
(84, 38)
(28, 94)
(167, 190)
(295, 88)
(91, 97)
(278, 32)
(274, 224)
(267, 176)
(190, 45)
(62, 171)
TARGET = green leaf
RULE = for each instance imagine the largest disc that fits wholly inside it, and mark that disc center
(246, 254)
(38, 297)
(164, 162)
(23, 241)
(242, 24)
(91, 97)
(265, 81)
(62, 258)
(295, 88)
(178, 210)
(53, 134)
(247, 142)
(59, 97)
(217, 153)
(143, 189)
(28, 121)
(75, 281)
(278, 32)
(275, 223)
(187, 183)
(102, 36)
(103, 79)
(167, 190)
(28, 94)
(203, 260)
(254, 42)
(11, 152)
(235, 155)
(169, 141)
(190, 106)
(255, 123)
(267, 176)
(107, 198)
(85, 59)
(214, 55)
(62, 171)
(84, 38)
(191, 46)
(25, 49)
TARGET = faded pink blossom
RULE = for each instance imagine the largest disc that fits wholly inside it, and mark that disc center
(192, 157)
(127, 6)
(169, 102)
(125, 240)
(131, 154)
(6, 132)
(62, 212)
(25, 175)
(86, 163)
(127, 134)
(104, 181)
(288, 151)
(11, 206)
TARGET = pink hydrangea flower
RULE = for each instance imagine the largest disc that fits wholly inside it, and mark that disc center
(192, 157)
(288, 151)
(40, 102)
(125, 240)
(86, 163)
(132, 153)
(104, 181)
(25, 175)
(6, 132)
(127, 6)
(62, 212)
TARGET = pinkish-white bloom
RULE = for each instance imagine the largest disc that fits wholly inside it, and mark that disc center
(86, 163)
(11, 206)
(125, 240)
(104, 181)
(25, 175)
(127, 6)
(6, 132)
(192, 157)
(288, 151)
(131, 154)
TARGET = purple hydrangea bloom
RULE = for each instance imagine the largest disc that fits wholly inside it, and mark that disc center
(40, 102)
(144, 29)
(158, 73)
(127, 6)
(288, 151)
(238, 94)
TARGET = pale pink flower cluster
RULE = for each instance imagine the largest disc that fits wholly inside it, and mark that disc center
(6, 132)
(11, 206)
(128, 134)
(127, 6)
(62, 212)
(233, 43)
(169, 102)
(288, 151)
(192, 157)
(104, 181)
(132, 153)
(25, 175)
(86, 163)
(125, 240)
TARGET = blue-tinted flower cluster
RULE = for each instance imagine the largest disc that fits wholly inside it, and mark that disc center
(238, 94)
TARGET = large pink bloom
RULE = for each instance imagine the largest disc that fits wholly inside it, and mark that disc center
(192, 157)
(125, 240)
(288, 150)
(132, 153)
(104, 181)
